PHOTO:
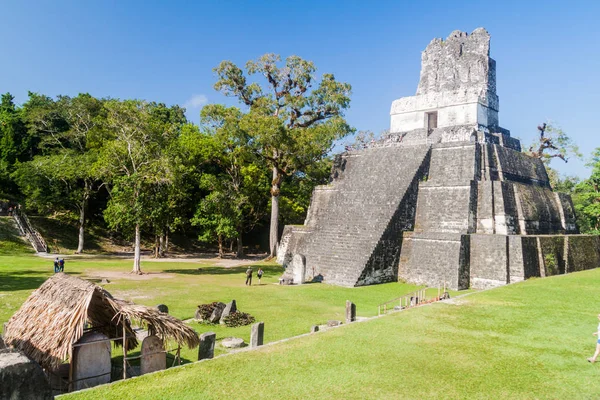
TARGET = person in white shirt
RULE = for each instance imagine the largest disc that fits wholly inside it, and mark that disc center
(597, 334)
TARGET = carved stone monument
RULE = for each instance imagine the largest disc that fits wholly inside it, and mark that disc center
(91, 361)
(447, 198)
(206, 349)
(299, 269)
(154, 357)
(256, 334)
(350, 311)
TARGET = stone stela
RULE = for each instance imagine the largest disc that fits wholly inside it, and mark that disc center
(256, 334)
(447, 198)
(206, 350)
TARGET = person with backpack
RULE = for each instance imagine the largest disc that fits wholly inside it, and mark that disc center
(61, 265)
(249, 276)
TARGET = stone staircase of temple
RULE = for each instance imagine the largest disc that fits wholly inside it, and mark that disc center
(367, 196)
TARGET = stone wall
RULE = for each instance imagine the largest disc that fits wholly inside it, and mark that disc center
(434, 259)
(460, 61)
(499, 259)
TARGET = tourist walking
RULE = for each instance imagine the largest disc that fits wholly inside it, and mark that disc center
(61, 265)
(597, 334)
(249, 276)
(259, 274)
(56, 265)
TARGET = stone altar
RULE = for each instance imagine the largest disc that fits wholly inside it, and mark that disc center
(447, 197)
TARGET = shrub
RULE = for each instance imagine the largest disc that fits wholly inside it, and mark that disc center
(238, 318)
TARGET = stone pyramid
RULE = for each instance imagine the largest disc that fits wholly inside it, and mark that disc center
(446, 198)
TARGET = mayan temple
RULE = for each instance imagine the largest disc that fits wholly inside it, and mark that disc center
(446, 197)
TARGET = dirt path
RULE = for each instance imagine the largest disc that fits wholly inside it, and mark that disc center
(210, 258)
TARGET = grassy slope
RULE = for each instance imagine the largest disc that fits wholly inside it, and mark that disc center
(286, 311)
(528, 340)
(10, 242)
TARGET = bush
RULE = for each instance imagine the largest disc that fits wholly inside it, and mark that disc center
(238, 318)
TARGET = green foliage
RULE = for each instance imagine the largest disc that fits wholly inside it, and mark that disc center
(586, 198)
(297, 191)
(290, 124)
(238, 318)
(552, 143)
(15, 144)
(561, 183)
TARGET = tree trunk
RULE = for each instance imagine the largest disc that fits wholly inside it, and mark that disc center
(274, 231)
(161, 245)
(167, 241)
(231, 246)
(156, 247)
(220, 246)
(240, 246)
(81, 228)
(137, 269)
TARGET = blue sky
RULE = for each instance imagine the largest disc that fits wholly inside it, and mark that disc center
(547, 52)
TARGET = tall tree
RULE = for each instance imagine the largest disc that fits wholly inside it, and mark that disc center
(239, 178)
(15, 143)
(60, 179)
(292, 124)
(135, 162)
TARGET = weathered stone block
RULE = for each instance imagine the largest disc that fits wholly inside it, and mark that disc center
(21, 378)
(350, 312)
(154, 357)
(91, 361)
(232, 343)
(229, 309)
(162, 308)
(217, 312)
(257, 334)
(206, 349)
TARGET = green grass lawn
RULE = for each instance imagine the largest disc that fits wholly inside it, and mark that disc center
(527, 340)
(286, 310)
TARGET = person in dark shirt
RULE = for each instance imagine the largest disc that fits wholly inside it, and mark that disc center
(249, 276)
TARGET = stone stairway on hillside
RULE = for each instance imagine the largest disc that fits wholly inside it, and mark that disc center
(353, 230)
(33, 236)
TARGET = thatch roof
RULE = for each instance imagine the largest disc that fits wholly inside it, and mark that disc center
(53, 318)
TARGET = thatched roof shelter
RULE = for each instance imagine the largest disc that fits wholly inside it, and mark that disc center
(55, 315)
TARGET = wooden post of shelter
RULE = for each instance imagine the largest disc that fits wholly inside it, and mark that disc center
(70, 387)
(124, 350)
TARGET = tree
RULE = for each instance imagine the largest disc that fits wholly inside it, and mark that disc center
(60, 179)
(236, 201)
(135, 161)
(14, 143)
(553, 143)
(586, 198)
(291, 124)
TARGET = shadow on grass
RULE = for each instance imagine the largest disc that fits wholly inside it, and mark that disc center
(269, 270)
(23, 280)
